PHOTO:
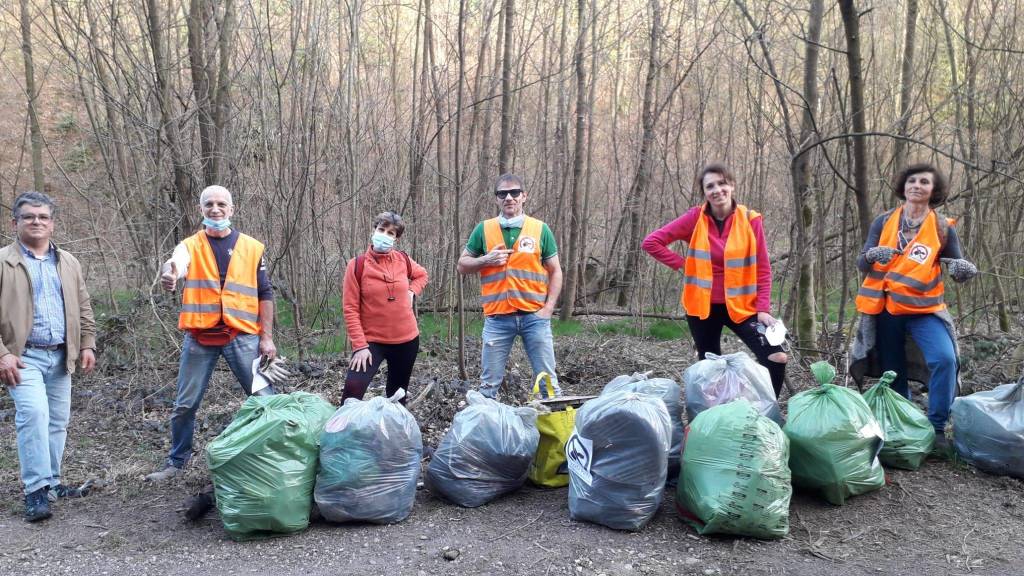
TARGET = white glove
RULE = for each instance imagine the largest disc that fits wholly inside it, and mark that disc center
(266, 373)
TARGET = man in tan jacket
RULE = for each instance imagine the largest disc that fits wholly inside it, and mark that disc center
(46, 328)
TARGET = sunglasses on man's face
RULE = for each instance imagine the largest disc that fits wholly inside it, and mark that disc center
(513, 192)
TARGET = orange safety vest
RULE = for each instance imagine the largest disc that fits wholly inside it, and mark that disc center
(740, 268)
(522, 283)
(911, 283)
(204, 301)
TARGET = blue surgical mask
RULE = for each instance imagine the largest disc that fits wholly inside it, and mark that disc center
(217, 225)
(514, 222)
(382, 242)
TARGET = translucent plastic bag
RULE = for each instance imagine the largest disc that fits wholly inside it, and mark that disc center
(834, 440)
(735, 477)
(369, 462)
(988, 429)
(720, 379)
(909, 435)
(618, 460)
(670, 393)
(263, 465)
(485, 454)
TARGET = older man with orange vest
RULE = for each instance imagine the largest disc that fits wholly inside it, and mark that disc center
(520, 280)
(227, 309)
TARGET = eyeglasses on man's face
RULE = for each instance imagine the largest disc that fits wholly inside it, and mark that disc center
(28, 218)
(513, 192)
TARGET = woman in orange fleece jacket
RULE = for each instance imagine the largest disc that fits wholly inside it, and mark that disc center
(378, 309)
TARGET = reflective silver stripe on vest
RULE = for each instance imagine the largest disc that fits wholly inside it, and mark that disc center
(698, 254)
(876, 274)
(741, 262)
(914, 283)
(698, 282)
(527, 275)
(741, 290)
(200, 308)
(243, 290)
(242, 314)
(532, 296)
(202, 284)
(870, 293)
(918, 301)
(496, 277)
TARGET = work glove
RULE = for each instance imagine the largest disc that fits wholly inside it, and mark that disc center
(881, 254)
(266, 373)
(960, 270)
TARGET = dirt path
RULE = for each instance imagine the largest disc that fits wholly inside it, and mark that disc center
(940, 520)
(944, 519)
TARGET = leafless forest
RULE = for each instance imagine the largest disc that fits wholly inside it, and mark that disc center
(320, 113)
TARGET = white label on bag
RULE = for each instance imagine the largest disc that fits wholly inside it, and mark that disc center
(578, 453)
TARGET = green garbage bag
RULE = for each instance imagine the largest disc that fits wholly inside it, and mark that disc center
(909, 435)
(263, 465)
(735, 475)
(834, 440)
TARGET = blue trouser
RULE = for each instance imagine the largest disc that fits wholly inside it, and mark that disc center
(499, 334)
(935, 343)
(194, 371)
(42, 404)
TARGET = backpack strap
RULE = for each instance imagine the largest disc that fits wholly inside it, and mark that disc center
(361, 264)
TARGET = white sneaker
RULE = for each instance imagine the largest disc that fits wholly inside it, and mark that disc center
(166, 473)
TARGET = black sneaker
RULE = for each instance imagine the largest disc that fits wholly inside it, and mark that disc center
(63, 491)
(37, 505)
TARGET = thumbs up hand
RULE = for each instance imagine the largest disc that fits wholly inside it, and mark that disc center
(169, 276)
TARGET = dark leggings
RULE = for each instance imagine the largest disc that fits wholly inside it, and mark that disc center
(707, 337)
(400, 359)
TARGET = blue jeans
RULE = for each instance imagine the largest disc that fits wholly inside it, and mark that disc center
(932, 337)
(42, 404)
(194, 371)
(500, 333)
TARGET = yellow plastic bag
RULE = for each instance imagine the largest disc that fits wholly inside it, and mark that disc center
(549, 466)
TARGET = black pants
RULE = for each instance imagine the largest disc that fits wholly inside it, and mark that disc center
(707, 337)
(400, 359)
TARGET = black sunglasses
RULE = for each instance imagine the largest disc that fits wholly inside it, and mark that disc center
(513, 192)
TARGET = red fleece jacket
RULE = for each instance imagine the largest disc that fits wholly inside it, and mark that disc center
(378, 308)
(656, 244)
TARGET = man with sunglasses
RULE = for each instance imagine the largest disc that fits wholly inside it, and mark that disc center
(46, 329)
(520, 280)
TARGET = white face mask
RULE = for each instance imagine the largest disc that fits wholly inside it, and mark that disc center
(514, 222)
(382, 242)
(217, 225)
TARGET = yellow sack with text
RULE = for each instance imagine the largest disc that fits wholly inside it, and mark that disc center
(549, 467)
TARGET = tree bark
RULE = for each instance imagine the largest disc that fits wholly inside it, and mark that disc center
(35, 132)
(851, 26)
(504, 148)
(574, 264)
(899, 154)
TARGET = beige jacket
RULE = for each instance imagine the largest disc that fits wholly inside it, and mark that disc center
(16, 304)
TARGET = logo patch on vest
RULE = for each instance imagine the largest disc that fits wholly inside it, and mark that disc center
(919, 252)
(527, 245)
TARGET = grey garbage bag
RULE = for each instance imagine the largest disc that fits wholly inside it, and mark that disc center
(988, 429)
(485, 454)
(670, 394)
(617, 458)
(720, 379)
(369, 462)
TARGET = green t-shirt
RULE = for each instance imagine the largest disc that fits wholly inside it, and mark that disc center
(477, 246)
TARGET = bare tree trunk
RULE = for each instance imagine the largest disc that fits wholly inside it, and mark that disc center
(637, 191)
(899, 154)
(504, 149)
(574, 264)
(457, 204)
(807, 329)
(210, 80)
(851, 25)
(36, 133)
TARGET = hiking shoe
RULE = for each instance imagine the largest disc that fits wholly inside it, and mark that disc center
(943, 448)
(37, 505)
(64, 491)
(169, 471)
